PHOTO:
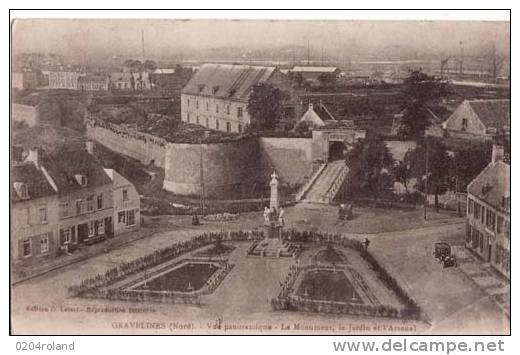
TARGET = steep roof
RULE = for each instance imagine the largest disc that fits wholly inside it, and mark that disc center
(227, 81)
(492, 184)
(64, 164)
(492, 113)
(37, 184)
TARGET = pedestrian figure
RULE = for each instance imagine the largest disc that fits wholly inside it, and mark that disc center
(366, 243)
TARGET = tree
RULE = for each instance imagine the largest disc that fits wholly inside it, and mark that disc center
(419, 91)
(470, 161)
(370, 164)
(439, 167)
(327, 79)
(265, 106)
(149, 65)
(402, 174)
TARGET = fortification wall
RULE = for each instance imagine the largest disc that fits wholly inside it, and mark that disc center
(141, 146)
(230, 169)
(290, 157)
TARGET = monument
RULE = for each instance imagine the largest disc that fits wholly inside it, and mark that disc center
(274, 221)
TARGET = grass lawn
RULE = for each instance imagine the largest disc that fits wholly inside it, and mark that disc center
(189, 277)
(328, 285)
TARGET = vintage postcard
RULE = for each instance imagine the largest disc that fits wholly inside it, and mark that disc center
(260, 177)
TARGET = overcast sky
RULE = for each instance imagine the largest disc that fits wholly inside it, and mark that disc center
(97, 38)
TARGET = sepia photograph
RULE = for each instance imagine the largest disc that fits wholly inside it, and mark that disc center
(239, 176)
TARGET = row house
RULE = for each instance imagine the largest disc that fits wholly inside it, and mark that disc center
(130, 81)
(64, 79)
(126, 203)
(489, 214)
(94, 82)
(33, 212)
(217, 95)
(65, 201)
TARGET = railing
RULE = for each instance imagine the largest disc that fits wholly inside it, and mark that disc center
(338, 181)
(310, 182)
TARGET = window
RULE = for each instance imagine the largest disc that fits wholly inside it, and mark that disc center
(464, 124)
(100, 226)
(476, 213)
(481, 242)
(239, 112)
(470, 207)
(207, 106)
(91, 228)
(44, 243)
(239, 128)
(43, 214)
(216, 124)
(79, 206)
(207, 122)
(227, 109)
(506, 229)
(100, 201)
(228, 126)
(197, 104)
(490, 220)
(130, 220)
(121, 217)
(500, 224)
(188, 100)
(188, 117)
(197, 119)
(65, 236)
(26, 247)
(28, 216)
(64, 209)
(216, 109)
(482, 215)
(90, 203)
(125, 195)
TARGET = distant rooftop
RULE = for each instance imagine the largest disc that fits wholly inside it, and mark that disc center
(315, 69)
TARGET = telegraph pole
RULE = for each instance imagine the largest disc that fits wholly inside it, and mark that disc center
(201, 179)
(426, 181)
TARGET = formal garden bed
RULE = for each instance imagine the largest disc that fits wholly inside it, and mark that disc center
(340, 276)
(104, 285)
(308, 288)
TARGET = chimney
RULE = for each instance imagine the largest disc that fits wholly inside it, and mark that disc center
(34, 156)
(90, 147)
(497, 154)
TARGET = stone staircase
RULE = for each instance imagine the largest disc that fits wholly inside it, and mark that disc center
(327, 184)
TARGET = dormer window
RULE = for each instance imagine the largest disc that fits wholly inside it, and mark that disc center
(22, 190)
(215, 89)
(81, 179)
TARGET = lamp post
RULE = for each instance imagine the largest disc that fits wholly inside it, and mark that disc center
(201, 174)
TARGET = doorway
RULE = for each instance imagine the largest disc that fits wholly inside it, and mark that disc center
(336, 151)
